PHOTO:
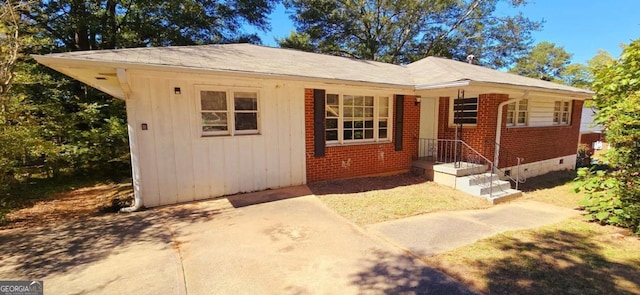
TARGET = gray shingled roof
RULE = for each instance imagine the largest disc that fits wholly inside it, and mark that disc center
(246, 58)
(435, 71)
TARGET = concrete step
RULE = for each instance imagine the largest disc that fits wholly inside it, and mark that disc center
(464, 169)
(503, 196)
(485, 187)
(470, 180)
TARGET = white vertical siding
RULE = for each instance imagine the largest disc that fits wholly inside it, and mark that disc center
(176, 164)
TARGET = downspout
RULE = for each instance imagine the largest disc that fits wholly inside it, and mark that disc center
(496, 154)
(133, 142)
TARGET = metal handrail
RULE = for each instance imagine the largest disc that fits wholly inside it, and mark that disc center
(506, 152)
(447, 151)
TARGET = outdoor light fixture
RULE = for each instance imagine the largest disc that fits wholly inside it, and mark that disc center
(176, 90)
(418, 99)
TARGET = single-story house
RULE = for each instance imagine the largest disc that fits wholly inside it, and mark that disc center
(213, 120)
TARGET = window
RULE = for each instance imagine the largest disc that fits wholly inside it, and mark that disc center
(562, 112)
(517, 113)
(357, 118)
(221, 109)
(464, 110)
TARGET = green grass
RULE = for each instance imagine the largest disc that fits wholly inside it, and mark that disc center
(570, 257)
(387, 202)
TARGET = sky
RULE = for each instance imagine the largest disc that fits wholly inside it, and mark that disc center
(582, 27)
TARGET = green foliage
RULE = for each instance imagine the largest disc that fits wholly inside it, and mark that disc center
(545, 61)
(50, 124)
(614, 197)
(407, 30)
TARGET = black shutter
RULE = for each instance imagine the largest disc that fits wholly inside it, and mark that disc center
(318, 122)
(399, 118)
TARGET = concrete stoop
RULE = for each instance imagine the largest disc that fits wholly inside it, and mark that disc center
(472, 179)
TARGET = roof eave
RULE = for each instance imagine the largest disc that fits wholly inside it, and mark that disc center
(51, 61)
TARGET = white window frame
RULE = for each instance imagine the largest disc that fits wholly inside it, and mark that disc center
(376, 118)
(515, 113)
(452, 113)
(561, 112)
(231, 111)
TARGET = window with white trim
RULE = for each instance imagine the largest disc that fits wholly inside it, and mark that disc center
(518, 113)
(227, 112)
(562, 112)
(357, 118)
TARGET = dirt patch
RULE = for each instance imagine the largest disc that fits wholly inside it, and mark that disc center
(74, 204)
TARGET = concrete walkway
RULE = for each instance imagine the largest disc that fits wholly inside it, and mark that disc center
(434, 233)
(293, 246)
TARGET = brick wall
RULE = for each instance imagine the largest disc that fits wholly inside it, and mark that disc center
(531, 143)
(589, 138)
(363, 159)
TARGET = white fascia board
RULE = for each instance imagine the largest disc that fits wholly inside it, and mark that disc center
(538, 91)
(451, 84)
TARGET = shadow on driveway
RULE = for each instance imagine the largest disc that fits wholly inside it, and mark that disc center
(40, 252)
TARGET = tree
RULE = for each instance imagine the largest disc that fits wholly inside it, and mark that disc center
(406, 30)
(546, 61)
(614, 197)
(108, 24)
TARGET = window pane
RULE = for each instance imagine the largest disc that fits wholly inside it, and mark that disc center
(246, 101)
(556, 117)
(332, 123)
(348, 134)
(358, 112)
(368, 124)
(522, 105)
(358, 101)
(358, 124)
(368, 133)
(566, 107)
(368, 101)
(384, 101)
(348, 124)
(246, 121)
(556, 106)
(382, 133)
(348, 100)
(213, 100)
(333, 111)
(510, 118)
(348, 112)
(368, 112)
(382, 123)
(332, 99)
(511, 106)
(565, 118)
(332, 134)
(358, 134)
(383, 111)
(207, 128)
(522, 117)
(213, 118)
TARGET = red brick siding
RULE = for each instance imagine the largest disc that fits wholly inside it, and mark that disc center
(589, 138)
(531, 143)
(365, 159)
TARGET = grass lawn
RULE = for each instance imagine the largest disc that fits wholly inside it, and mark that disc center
(376, 199)
(570, 257)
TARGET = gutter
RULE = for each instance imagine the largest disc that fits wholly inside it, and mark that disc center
(496, 154)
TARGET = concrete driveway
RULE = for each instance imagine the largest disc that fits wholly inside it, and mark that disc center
(292, 246)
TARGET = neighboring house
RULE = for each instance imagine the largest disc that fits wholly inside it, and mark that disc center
(591, 134)
(213, 120)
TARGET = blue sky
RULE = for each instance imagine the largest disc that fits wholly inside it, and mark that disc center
(580, 26)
